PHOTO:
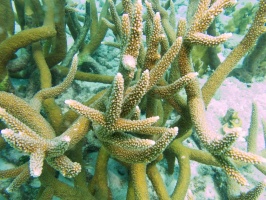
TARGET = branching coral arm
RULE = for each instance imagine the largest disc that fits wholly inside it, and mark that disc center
(133, 98)
(26, 37)
(26, 114)
(43, 94)
(171, 89)
(142, 156)
(215, 80)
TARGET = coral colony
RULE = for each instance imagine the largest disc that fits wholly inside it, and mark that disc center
(129, 117)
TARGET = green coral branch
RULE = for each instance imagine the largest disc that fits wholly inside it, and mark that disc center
(116, 115)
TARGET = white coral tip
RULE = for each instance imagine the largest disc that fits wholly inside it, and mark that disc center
(175, 129)
(228, 35)
(119, 75)
(157, 15)
(36, 172)
(2, 110)
(66, 138)
(6, 131)
(8, 190)
(129, 62)
(195, 74)
(156, 118)
(146, 71)
(125, 15)
(151, 142)
(263, 160)
(147, 3)
(69, 101)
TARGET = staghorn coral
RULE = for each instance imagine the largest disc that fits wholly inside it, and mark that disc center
(129, 116)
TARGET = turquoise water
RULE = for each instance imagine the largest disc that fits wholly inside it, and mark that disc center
(39, 60)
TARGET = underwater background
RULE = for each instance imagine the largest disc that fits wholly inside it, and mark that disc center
(242, 93)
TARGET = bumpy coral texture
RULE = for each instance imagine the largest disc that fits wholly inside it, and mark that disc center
(130, 116)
